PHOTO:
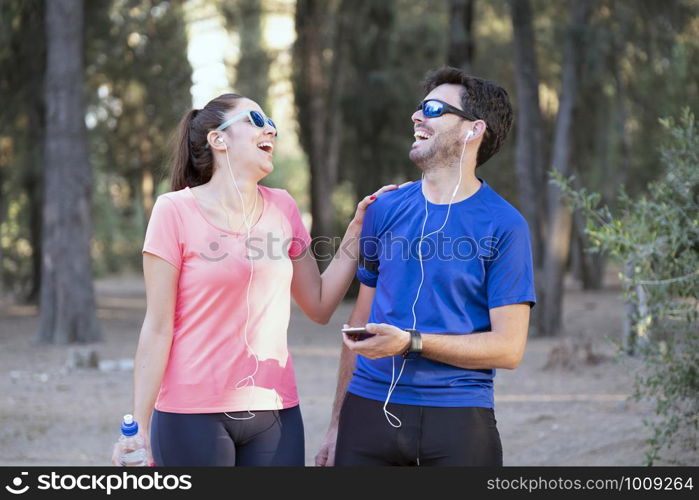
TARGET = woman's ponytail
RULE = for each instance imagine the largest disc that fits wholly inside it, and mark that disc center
(192, 160)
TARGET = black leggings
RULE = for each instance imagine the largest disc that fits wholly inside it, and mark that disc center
(428, 435)
(271, 438)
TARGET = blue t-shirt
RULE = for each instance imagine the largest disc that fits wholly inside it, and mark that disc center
(481, 259)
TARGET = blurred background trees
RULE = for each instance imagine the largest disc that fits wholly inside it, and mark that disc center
(21, 152)
(137, 83)
(588, 79)
(251, 73)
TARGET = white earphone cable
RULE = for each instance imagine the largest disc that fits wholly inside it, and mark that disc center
(249, 380)
(392, 386)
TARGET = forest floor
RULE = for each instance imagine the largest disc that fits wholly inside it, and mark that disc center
(567, 404)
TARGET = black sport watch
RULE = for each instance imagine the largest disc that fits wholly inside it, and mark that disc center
(415, 348)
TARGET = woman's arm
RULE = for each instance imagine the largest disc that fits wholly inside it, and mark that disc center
(318, 295)
(156, 336)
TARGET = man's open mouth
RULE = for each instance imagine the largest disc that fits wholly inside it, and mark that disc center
(421, 135)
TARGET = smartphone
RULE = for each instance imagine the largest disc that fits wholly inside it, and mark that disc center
(357, 333)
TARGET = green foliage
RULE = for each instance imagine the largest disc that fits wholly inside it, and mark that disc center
(244, 17)
(137, 85)
(394, 44)
(138, 80)
(22, 55)
(657, 236)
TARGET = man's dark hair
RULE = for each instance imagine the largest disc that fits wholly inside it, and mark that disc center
(482, 99)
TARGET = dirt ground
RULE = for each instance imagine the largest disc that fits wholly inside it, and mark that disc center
(574, 413)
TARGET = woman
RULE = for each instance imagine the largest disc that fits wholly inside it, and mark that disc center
(221, 257)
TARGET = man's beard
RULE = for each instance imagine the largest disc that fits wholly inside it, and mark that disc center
(442, 153)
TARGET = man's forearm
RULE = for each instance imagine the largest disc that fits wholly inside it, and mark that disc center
(475, 351)
(348, 359)
(502, 347)
(344, 375)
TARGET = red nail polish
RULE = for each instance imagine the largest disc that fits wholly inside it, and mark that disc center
(372, 198)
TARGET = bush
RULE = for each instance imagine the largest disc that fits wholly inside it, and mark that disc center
(657, 238)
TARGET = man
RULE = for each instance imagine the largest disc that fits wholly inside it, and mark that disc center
(464, 287)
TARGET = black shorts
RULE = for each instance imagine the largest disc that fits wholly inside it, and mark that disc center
(271, 438)
(428, 435)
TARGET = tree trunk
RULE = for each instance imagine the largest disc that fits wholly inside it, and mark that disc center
(556, 246)
(636, 320)
(622, 168)
(252, 71)
(588, 267)
(67, 293)
(461, 39)
(529, 155)
(33, 187)
(374, 22)
(3, 212)
(318, 86)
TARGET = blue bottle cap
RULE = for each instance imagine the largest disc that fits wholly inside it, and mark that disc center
(129, 427)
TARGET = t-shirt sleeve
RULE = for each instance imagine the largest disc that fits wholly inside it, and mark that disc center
(368, 267)
(300, 239)
(163, 235)
(510, 272)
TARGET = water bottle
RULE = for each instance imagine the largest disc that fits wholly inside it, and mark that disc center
(132, 444)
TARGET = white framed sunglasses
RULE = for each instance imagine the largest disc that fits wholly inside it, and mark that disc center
(254, 117)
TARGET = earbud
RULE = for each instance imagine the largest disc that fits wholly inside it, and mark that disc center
(469, 135)
(218, 139)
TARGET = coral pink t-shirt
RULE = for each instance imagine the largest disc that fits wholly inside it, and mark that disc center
(209, 361)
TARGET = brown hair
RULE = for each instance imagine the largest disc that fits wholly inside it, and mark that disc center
(192, 160)
(482, 99)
